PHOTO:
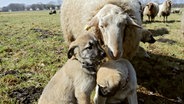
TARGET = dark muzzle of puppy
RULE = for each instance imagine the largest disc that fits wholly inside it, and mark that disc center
(152, 40)
(89, 58)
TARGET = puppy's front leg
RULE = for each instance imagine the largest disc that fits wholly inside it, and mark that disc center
(97, 98)
(82, 97)
(132, 98)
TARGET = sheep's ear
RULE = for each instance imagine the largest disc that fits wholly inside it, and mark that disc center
(131, 22)
(94, 22)
(71, 51)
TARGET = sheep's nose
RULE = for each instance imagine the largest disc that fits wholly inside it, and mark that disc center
(115, 55)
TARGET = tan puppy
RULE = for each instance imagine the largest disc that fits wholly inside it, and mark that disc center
(74, 82)
(116, 80)
(146, 37)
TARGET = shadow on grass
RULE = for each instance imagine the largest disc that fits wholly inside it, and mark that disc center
(160, 79)
(169, 41)
(159, 31)
(26, 95)
(44, 33)
(156, 21)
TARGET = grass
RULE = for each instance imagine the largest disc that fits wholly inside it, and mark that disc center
(32, 49)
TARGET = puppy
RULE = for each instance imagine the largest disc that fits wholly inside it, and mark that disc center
(116, 80)
(145, 37)
(74, 82)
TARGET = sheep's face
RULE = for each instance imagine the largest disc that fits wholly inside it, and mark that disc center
(112, 21)
(150, 6)
(168, 3)
(112, 26)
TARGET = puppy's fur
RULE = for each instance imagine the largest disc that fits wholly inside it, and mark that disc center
(74, 82)
(116, 80)
(146, 37)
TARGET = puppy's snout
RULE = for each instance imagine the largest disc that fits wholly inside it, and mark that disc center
(152, 40)
(103, 54)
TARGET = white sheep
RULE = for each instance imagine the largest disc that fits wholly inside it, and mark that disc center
(116, 23)
(151, 10)
(165, 10)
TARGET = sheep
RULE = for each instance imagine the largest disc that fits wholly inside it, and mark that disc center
(141, 10)
(165, 10)
(52, 12)
(116, 23)
(176, 10)
(151, 10)
(182, 24)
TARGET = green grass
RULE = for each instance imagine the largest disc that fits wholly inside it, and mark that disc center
(32, 46)
(32, 49)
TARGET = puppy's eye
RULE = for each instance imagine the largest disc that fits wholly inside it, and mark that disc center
(101, 26)
(90, 45)
(119, 24)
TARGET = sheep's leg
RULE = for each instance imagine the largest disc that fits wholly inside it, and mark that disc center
(149, 18)
(132, 98)
(164, 19)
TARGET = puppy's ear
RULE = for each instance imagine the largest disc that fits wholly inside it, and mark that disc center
(71, 51)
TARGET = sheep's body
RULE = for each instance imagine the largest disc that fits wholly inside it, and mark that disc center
(176, 10)
(76, 14)
(151, 10)
(165, 9)
(182, 24)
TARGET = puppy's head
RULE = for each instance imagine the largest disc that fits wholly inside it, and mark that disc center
(108, 81)
(87, 50)
(147, 36)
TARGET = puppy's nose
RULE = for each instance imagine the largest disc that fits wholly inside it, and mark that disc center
(152, 40)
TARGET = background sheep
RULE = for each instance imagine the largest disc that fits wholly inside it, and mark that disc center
(165, 9)
(176, 10)
(141, 10)
(151, 10)
(182, 24)
(52, 12)
(75, 15)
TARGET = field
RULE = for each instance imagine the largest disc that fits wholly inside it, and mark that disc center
(32, 49)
